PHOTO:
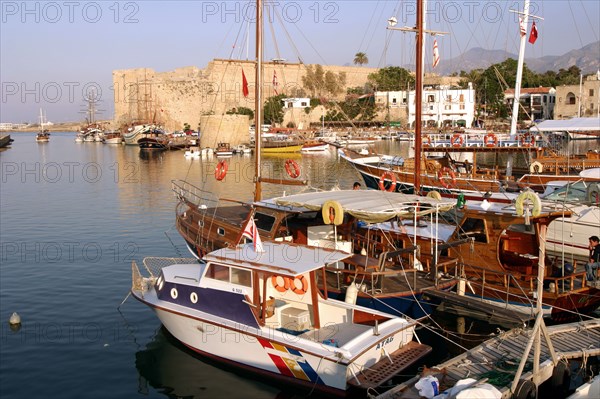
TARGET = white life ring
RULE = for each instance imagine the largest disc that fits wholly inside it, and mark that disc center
(536, 167)
(435, 195)
(533, 198)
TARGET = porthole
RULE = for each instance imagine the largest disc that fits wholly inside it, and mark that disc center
(174, 293)
(194, 297)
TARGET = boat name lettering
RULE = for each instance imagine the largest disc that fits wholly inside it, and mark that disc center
(384, 342)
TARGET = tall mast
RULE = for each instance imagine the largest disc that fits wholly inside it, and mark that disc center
(515, 111)
(418, 97)
(258, 117)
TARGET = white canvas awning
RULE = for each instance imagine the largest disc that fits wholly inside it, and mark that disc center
(372, 206)
(568, 125)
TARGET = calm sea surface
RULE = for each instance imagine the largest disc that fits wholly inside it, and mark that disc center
(73, 218)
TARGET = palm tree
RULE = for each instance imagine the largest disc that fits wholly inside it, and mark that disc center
(361, 58)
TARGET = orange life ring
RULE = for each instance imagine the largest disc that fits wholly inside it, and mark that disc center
(457, 140)
(221, 170)
(427, 142)
(527, 140)
(389, 175)
(490, 140)
(280, 288)
(292, 168)
(304, 285)
(442, 178)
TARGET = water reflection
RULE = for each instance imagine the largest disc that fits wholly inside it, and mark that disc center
(176, 372)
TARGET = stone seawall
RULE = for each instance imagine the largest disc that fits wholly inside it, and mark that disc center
(187, 94)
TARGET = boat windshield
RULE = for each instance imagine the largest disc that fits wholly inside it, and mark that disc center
(573, 192)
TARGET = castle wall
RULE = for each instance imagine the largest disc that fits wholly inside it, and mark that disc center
(186, 94)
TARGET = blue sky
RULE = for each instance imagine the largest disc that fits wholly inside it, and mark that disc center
(53, 52)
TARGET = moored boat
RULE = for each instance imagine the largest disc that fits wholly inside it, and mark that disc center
(262, 311)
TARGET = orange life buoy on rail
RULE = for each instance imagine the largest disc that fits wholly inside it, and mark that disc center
(390, 176)
(280, 287)
(457, 140)
(527, 140)
(442, 177)
(221, 170)
(490, 140)
(292, 168)
(299, 285)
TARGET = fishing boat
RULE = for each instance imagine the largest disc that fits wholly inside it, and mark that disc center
(153, 139)
(314, 146)
(5, 140)
(223, 150)
(263, 312)
(113, 138)
(501, 259)
(43, 136)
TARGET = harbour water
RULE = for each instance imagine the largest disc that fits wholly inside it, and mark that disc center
(73, 218)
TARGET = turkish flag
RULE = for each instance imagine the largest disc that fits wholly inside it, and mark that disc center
(244, 85)
(533, 35)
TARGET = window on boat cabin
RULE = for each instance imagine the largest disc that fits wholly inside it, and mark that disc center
(474, 227)
(220, 231)
(241, 277)
(229, 274)
(263, 221)
(574, 192)
(218, 272)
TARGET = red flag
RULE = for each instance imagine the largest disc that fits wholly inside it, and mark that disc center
(436, 54)
(251, 231)
(275, 82)
(244, 85)
(533, 35)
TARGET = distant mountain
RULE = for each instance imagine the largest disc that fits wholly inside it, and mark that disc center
(587, 58)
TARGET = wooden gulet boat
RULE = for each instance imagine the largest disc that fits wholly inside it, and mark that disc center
(263, 311)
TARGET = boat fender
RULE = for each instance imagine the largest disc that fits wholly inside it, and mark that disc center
(592, 193)
(285, 283)
(457, 140)
(292, 168)
(532, 197)
(332, 213)
(435, 195)
(561, 375)
(221, 170)
(525, 390)
(351, 294)
(390, 176)
(490, 140)
(442, 177)
(302, 287)
(536, 167)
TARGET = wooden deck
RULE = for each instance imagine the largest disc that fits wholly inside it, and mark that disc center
(497, 359)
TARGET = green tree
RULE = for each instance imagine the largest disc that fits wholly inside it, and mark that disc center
(241, 111)
(319, 83)
(273, 109)
(360, 58)
(391, 79)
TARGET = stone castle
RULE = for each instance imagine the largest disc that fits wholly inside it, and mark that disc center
(201, 97)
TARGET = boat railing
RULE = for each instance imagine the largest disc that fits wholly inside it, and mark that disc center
(192, 194)
(555, 285)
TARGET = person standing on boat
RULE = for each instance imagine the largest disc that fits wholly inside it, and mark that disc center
(594, 263)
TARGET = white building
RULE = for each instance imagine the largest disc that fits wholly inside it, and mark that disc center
(537, 101)
(296, 102)
(442, 107)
